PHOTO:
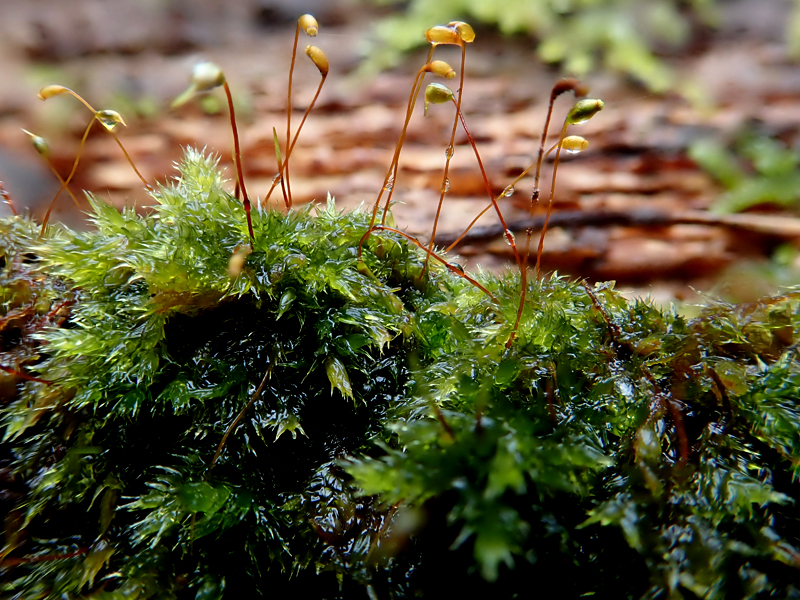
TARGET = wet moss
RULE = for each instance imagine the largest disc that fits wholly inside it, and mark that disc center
(307, 424)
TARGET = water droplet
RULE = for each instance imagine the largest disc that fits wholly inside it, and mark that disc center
(108, 123)
(510, 238)
(277, 179)
(509, 191)
(448, 153)
(456, 267)
(389, 185)
(574, 144)
(446, 186)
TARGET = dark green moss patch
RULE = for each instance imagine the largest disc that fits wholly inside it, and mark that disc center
(307, 423)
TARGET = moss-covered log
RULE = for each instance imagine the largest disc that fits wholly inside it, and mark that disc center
(186, 416)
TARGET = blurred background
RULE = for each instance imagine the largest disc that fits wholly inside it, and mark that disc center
(690, 181)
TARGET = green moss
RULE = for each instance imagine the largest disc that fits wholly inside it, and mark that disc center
(312, 425)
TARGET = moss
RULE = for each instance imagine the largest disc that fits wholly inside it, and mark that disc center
(309, 423)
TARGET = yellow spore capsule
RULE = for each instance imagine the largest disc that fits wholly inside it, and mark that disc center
(319, 59)
(51, 90)
(441, 68)
(440, 34)
(464, 30)
(574, 144)
(309, 25)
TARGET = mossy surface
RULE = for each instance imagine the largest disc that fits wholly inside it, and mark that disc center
(312, 423)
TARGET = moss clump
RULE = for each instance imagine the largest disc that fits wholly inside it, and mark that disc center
(307, 422)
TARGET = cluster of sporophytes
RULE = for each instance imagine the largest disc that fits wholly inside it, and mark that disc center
(211, 402)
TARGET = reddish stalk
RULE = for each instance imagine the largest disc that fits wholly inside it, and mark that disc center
(43, 149)
(450, 266)
(680, 430)
(448, 155)
(391, 173)
(27, 560)
(288, 189)
(237, 158)
(238, 418)
(390, 181)
(310, 26)
(451, 436)
(550, 201)
(302, 122)
(509, 187)
(130, 161)
(279, 177)
(24, 376)
(508, 234)
(565, 85)
(283, 171)
(506, 192)
(107, 115)
(63, 185)
(75, 94)
(7, 199)
(65, 182)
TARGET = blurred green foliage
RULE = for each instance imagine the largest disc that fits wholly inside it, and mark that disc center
(321, 426)
(759, 170)
(793, 31)
(582, 35)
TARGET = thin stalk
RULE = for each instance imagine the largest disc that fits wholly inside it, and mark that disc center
(508, 234)
(239, 417)
(79, 97)
(550, 201)
(130, 161)
(25, 376)
(448, 156)
(391, 173)
(279, 177)
(297, 134)
(237, 158)
(65, 182)
(28, 560)
(559, 88)
(7, 199)
(283, 171)
(288, 190)
(116, 138)
(451, 267)
(489, 206)
(451, 437)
